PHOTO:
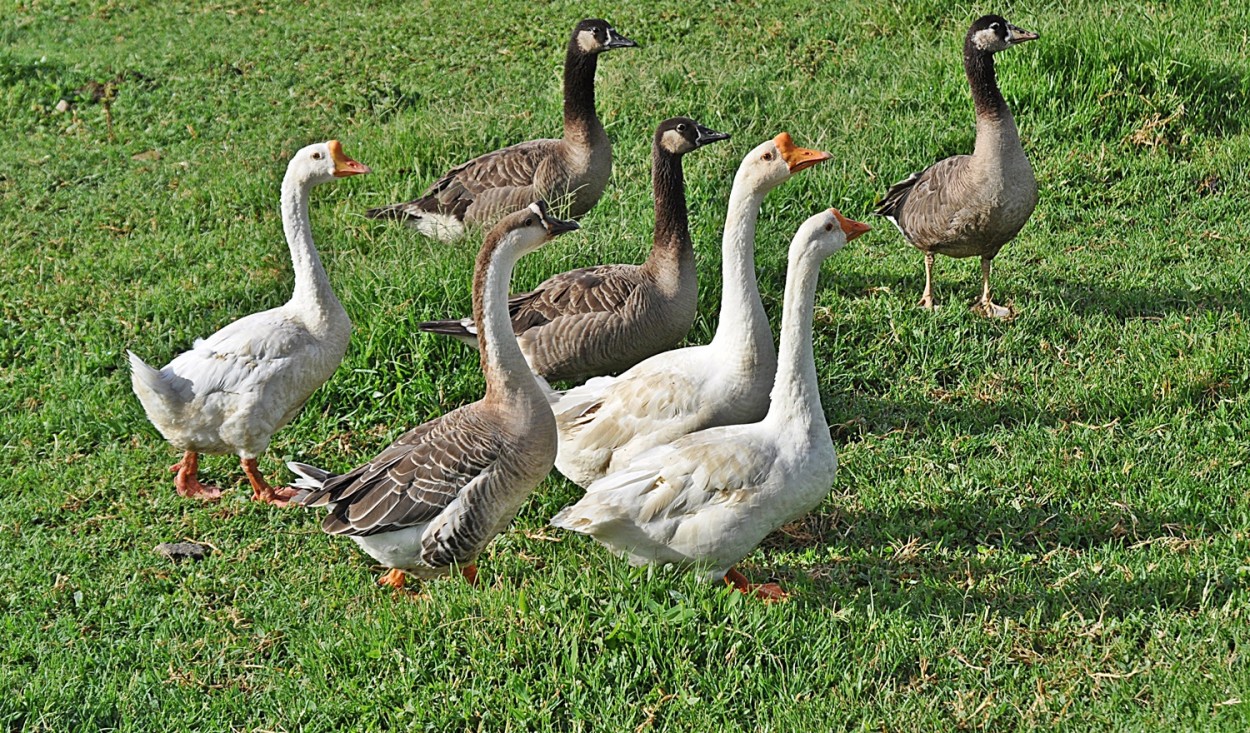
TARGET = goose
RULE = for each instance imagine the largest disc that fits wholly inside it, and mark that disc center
(233, 390)
(608, 420)
(970, 205)
(604, 319)
(432, 500)
(709, 498)
(572, 171)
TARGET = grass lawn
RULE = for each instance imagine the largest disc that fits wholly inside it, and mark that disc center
(1037, 524)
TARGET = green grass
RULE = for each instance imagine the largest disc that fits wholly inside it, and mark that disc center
(1039, 524)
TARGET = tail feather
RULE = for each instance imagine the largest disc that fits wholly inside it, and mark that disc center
(463, 329)
(438, 225)
(161, 398)
(310, 478)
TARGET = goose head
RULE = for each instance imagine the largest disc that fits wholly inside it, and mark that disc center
(532, 227)
(992, 33)
(773, 161)
(593, 36)
(680, 135)
(828, 232)
(322, 162)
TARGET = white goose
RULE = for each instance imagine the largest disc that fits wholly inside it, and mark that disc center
(440, 493)
(233, 390)
(709, 498)
(608, 420)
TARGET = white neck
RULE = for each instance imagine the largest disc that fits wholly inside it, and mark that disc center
(795, 399)
(743, 328)
(312, 287)
(508, 377)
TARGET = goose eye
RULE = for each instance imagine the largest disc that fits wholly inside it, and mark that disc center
(768, 156)
(828, 227)
(681, 127)
(316, 156)
(529, 222)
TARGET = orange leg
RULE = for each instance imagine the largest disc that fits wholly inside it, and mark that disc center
(261, 490)
(768, 592)
(393, 578)
(470, 573)
(187, 482)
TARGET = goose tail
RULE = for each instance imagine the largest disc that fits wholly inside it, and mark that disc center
(161, 400)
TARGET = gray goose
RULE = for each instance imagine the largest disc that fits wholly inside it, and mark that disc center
(970, 205)
(571, 172)
(605, 319)
(433, 500)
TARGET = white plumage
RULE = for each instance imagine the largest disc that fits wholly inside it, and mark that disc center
(707, 499)
(234, 389)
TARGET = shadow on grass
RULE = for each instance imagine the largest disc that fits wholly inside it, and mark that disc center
(903, 570)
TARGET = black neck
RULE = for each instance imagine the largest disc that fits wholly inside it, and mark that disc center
(979, 66)
(672, 228)
(579, 91)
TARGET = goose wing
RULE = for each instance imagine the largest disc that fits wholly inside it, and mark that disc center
(590, 290)
(433, 469)
(493, 180)
(925, 206)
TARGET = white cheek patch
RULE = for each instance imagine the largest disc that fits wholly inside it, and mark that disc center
(586, 41)
(534, 208)
(672, 141)
(986, 40)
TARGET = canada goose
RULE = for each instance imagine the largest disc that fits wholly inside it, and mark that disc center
(599, 320)
(707, 499)
(970, 205)
(571, 172)
(609, 420)
(434, 498)
(233, 390)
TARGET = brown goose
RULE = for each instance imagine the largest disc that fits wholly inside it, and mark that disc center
(600, 320)
(970, 205)
(433, 499)
(571, 172)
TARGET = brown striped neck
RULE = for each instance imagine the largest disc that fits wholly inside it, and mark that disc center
(979, 68)
(580, 122)
(671, 236)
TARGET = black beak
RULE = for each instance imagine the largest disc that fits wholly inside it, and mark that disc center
(708, 135)
(616, 40)
(1019, 35)
(556, 227)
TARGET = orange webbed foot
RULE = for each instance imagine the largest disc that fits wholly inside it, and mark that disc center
(393, 578)
(767, 592)
(187, 481)
(262, 491)
(470, 574)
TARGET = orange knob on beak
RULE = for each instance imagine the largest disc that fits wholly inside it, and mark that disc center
(798, 158)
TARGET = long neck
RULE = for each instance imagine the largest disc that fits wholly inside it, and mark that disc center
(580, 122)
(671, 244)
(503, 364)
(795, 399)
(743, 324)
(312, 287)
(996, 129)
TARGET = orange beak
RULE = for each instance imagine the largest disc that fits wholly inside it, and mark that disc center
(343, 165)
(850, 227)
(798, 158)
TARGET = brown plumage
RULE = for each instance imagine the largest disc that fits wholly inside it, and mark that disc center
(571, 172)
(971, 205)
(436, 496)
(604, 319)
